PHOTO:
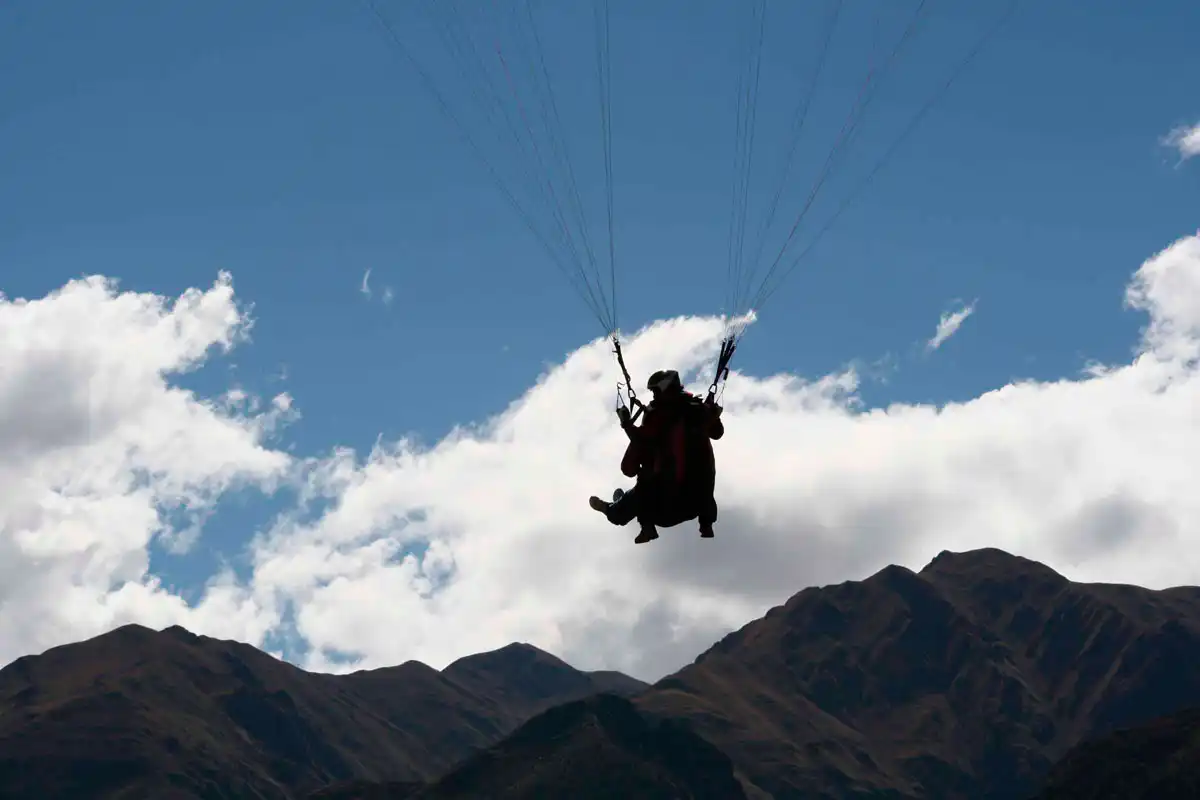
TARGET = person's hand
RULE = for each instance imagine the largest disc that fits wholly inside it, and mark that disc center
(623, 416)
(716, 411)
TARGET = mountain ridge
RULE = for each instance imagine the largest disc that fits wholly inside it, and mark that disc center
(967, 678)
(970, 677)
(161, 710)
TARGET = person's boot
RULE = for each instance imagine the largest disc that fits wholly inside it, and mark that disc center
(647, 534)
(617, 495)
(706, 530)
(598, 505)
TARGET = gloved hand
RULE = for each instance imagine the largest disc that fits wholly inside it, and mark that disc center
(623, 416)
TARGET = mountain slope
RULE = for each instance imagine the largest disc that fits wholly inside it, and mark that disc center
(968, 679)
(598, 748)
(1156, 761)
(593, 749)
(170, 714)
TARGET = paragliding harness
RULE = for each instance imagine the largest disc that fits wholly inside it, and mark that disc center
(635, 407)
(679, 499)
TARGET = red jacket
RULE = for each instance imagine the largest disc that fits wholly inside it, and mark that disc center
(660, 444)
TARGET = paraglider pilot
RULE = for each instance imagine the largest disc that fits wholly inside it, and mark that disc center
(671, 455)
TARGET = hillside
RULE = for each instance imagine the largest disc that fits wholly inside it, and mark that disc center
(970, 678)
(171, 714)
(601, 748)
(1156, 761)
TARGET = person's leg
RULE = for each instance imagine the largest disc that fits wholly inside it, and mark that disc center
(624, 507)
(706, 503)
(645, 518)
(627, 507)
(642, 509)
(707, 516)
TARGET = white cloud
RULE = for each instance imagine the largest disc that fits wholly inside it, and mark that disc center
(97, 450)
(1093, 475)
(1186, 140)
(948, 325)
(365, 287)
(486, 537)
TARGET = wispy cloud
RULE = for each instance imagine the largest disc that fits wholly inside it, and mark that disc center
(365, 287)
(948, 325)
(1185, 139)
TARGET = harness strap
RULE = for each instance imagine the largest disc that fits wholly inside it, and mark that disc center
(637, 405)
(728, 346)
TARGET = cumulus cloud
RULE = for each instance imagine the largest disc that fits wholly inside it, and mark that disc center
(948, 325)
(1186, 140)
(100, 455)
(485, 537)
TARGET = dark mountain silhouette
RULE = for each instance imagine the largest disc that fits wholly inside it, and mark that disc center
(1156, 761)
(966, 680)
(169, 714)
(593, 749)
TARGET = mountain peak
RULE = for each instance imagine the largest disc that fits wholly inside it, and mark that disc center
(247, 723)
(966, 679)
(180, 632)
(513, 656)
(128, 630)
(987, 562)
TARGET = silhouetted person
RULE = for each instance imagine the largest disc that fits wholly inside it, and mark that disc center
(671, 455)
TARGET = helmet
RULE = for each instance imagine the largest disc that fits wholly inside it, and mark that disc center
(665, 381)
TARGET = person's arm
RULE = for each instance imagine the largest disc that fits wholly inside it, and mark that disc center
(643, 433)
(631, 429)
(632, 460)
(716, 428)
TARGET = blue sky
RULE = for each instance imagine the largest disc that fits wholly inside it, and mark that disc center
(285, 142)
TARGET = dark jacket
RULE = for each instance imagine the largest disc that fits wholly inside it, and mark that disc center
(674, 441)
